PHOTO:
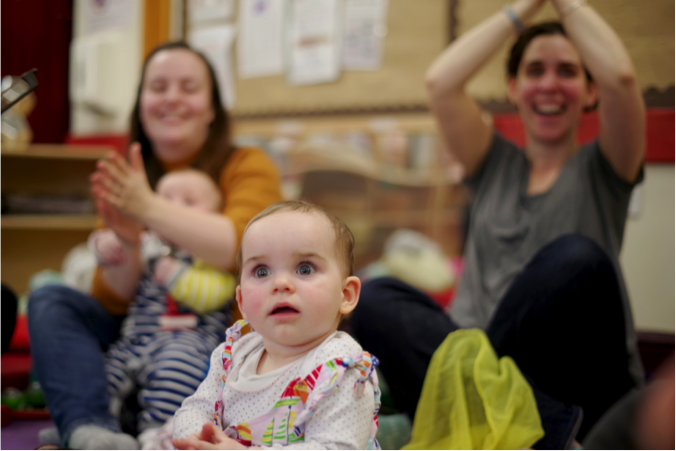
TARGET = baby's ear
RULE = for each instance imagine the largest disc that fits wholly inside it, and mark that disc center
(238, 297)
(351, 291)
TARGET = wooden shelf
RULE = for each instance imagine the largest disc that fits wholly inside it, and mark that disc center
(307, 159)
(396, 219)
(58, 152)
(48, 222)
(34, 242)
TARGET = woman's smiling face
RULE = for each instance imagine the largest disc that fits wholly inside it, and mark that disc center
(550, 89)
(175, 104)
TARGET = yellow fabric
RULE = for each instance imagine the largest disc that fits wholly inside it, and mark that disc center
(249, 183)
(472, 400)
(203, 288)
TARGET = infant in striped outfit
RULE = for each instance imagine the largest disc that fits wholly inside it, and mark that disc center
(294, 381)
(178, 315)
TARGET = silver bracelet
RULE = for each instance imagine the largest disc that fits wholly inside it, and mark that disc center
(518, 25)
(572, 7)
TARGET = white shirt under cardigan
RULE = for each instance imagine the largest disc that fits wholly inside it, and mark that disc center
(340, 421)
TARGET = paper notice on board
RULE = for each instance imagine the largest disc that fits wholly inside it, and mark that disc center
(108, 15)
(314, 42)
(216, 44)
(364, 29)
(260, 44)
(210, 10)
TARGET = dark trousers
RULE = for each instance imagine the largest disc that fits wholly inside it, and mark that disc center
(69, 333)
(561, 321)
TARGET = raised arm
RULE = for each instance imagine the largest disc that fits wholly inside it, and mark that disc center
(213, 237)
(114, 285)
(621, 109)
(459, 117)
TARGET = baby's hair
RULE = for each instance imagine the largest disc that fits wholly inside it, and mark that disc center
(344, 239)
(207, 178)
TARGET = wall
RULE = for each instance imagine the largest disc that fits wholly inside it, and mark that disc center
(36, 34)
(118, 72)
(647, 256)
(417, 32)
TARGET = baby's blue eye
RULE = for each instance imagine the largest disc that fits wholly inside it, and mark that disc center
(261, 272)
(305, 269)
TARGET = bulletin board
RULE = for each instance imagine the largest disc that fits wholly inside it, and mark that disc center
(417, 32)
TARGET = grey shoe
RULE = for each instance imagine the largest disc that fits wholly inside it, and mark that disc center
(49, 436)
(96, 437)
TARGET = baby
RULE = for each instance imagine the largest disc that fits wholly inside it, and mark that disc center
(177, 317)
(170, 267)
(294, 381)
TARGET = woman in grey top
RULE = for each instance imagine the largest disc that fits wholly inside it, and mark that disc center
(541, 275)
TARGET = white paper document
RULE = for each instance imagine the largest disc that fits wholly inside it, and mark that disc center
(314, 41)
(109, 15)
(364, 30)
(216, 44)
(210, 10)
(260, 44)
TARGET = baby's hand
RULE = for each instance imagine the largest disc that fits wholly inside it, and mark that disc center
(165, 270)
(210, 437)
(108, 248)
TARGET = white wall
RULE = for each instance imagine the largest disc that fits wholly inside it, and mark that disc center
(647, 255)
(114, 78)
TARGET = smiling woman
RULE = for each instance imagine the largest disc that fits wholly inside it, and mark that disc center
(175, 106)
(541, 220)
(178, 122)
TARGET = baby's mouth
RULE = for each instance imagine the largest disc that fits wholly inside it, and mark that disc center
(283, 309)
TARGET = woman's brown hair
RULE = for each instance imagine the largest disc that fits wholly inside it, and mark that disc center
(216, 150)
(525, 38)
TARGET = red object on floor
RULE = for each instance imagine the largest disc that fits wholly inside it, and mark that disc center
(30, 414)
(15, 368)
(443, 298)
(6, 417)
(20, 341)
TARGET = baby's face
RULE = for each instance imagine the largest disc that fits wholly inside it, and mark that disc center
(292, 286)
(191, 189)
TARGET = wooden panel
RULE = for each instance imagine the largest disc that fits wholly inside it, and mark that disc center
(417, 32)
(25, 252)
(49, 222)
(157, 15)
(50, 169)
(31, 243)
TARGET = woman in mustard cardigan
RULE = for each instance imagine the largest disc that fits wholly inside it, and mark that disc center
(178, 121)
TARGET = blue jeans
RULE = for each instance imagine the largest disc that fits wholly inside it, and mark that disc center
(69, 333)
(561, 321)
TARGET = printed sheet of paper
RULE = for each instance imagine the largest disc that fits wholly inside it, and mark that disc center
(260, 44)
(315, 41)
(210, 10)
(108, 15)
(364, 30)
(216, 44)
